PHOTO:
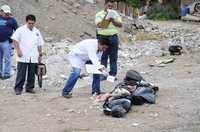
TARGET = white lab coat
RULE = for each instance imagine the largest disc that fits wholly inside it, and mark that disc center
(84, 51)
(28, 42)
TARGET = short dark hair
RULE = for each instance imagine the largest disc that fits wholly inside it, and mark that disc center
(107, 1)
(31, 18)
(103, 41)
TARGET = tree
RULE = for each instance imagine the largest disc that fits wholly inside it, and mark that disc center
(134, 3)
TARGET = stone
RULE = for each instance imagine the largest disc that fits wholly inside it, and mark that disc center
(52, 17)
(90, 1)
(48, 39)
(77, 5)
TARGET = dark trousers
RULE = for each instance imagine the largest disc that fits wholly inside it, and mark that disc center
(95, 82)
(22, 70)
(111, 53)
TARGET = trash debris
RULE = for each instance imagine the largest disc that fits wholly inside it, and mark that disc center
(63, 77)
(165, 61)
(162, 62)
(154, 114)
(135, 124)
(141, 36)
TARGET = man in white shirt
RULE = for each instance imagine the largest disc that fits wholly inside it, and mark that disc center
(82, 52)
(28, 43)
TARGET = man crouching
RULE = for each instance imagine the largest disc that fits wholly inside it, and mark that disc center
(82, 52)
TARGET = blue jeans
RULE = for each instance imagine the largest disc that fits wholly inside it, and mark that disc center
(5, 58)
(111, 53)
(74, 76)
(122, 102)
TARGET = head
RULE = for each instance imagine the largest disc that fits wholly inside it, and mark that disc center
(108, 4)
(5, 11)
(30, 21)
(103, 44)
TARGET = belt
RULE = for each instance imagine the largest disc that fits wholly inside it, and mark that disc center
(107, 35)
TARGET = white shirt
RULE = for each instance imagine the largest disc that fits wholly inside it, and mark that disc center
(28, 40)
(84, 51)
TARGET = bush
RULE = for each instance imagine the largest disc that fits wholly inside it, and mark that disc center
(133, 3)
(162, 12)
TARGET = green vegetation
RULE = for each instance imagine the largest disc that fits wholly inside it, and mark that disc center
(162, 12)
(133, 3)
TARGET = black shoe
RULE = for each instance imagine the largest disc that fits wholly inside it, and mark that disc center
(97, 93)
(5, 77)
(18, 92)
(30, 91)
(69, 95)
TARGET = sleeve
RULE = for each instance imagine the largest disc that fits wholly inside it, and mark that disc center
(40, 39)
(98, 18)
(118, 18)
(12, 23)
(16, 35)
(15, 25)
(93, 56)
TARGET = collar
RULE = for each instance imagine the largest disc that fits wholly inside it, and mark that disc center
(29, 28)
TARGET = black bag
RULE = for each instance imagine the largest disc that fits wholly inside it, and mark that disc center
(133, 77)
(175, 49)
(40, 71)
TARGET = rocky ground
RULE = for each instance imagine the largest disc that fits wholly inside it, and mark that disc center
(176, 108)
(177, 103)
(58, 19)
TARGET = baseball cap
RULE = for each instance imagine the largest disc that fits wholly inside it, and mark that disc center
(6, 9)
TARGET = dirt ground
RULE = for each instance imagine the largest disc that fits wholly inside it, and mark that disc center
(176, 109)
(177, 103)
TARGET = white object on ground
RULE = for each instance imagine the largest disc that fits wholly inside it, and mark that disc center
(135, 124)
(44, 77)
(111, 78)
(63, 76)
(90, 1)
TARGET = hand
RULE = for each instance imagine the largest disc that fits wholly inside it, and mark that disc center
(83, 75)
(39, 59)
(105, 73)
(19, 53)
(111, 20)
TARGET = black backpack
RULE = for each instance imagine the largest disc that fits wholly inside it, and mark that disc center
(133, 77)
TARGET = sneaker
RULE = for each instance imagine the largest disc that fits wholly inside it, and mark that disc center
(30, 91)
(69, 95)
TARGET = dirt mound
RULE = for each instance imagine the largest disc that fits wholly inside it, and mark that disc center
(58, 19)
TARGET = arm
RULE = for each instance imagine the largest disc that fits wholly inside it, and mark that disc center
(15, 25)
(41, 42)
(40, 50)
(16, 45)
(101, 22)
(116, 23)
(40, 54)
(93, 57)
